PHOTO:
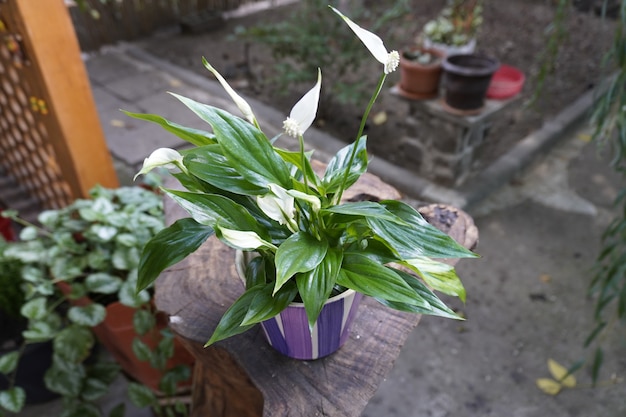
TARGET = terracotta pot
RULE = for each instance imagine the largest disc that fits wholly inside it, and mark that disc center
(466, 80)
(289, 333)
(116, 333)
(420, 81)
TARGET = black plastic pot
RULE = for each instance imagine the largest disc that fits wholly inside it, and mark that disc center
(466, 80)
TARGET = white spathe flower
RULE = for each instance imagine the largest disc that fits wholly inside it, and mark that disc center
(303, 113)
(242, 104)
(162, 157)
(278, 205)
(244, 240)
(375, 45)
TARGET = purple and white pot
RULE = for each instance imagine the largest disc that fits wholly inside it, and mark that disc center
(288, 332)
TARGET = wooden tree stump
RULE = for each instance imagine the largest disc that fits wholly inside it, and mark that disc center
(243, 376)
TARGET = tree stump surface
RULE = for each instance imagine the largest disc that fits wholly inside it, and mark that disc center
(243, 376)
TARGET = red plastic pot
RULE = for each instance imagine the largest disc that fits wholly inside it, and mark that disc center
(506, 82)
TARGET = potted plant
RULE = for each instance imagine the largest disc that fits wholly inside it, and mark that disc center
(79, 271)
(303, 243)
(420, 73)
(25, 378)
(454, 30)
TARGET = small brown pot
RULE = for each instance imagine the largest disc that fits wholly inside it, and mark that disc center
(420, 81)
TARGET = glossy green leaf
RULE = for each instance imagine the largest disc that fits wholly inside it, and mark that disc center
(245, 146)
(433, 305)
(419, 239)
(140, 395)
(301, 252)
(264, 305)
(295, 158)
(74, 343)
(13, 399)
(170, 246)
(336, 168)
(194, 136)
(215, 210)
(103, 283)
(439, 276)
(230, 323)
(371, 278)
(104, 370)
(39, 331)
(9, 361)
(90, 315)
(316, 286)
(208, 164)
(366, 209)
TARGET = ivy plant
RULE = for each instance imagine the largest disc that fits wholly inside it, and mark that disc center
(93, 248)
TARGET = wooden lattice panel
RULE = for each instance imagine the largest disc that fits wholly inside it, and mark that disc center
(27, 154)
(51, 142)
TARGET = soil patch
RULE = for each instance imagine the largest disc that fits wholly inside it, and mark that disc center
(513, 31)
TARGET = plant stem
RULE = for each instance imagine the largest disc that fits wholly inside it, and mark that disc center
(379, 87)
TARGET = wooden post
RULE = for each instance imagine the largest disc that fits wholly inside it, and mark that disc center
(54, 66)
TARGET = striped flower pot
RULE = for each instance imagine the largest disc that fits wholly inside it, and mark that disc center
(288, 332)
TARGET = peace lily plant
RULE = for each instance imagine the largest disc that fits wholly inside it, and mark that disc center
(256, 197)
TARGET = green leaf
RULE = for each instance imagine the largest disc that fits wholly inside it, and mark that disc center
(66, 379)
(35, 309)
(74, 343)
(90, 315)
(295, 158)
(264, 305)
(129, 296)
(13, 399)
(419, 239)
(142, 351)
(210, 165)
(434, 306)
(104, 370)
(596, 331)
(172, 377)
(230, 323)
(336, 168)
(102, 283)
(143, 321)
(216, 210)
(367, 209)
(440, 276)
(194, 136)
(94, 388)
(371, 278)
(316, 286)
(301, 252)
(140, 395)
(168, 247)
(9, 361)
(598, 359)
(245, 146)
(39, 331)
